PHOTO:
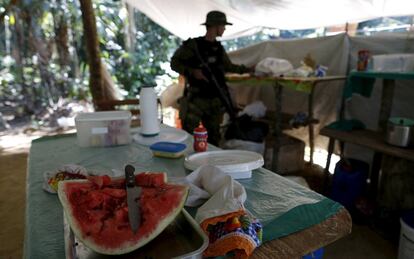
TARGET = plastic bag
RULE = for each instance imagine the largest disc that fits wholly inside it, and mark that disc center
(245, 128)
(273, 66)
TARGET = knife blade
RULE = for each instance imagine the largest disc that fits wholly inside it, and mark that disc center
(133, 193)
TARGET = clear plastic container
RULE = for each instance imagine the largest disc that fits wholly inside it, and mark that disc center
(398, 63)
(108, 128)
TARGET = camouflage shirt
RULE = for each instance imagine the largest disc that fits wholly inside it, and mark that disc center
(211, 58)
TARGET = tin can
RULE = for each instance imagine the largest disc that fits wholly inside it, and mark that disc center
(200, 138)
(363, 58)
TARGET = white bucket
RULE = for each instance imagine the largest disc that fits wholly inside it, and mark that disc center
(406, 246)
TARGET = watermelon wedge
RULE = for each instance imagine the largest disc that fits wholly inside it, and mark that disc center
(97, 210)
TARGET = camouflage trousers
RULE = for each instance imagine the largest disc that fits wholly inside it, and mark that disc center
(208, 111)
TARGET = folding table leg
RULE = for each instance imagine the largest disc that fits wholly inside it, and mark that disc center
(328, 163)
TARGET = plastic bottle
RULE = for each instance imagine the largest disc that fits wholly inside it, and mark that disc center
(200, 138)
(150, 125)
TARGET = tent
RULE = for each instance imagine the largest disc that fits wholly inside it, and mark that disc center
(338, 53)
(183, 17)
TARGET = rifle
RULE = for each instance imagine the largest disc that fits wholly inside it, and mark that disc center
(223, 95)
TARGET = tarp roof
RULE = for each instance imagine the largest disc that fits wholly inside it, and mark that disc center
(183, 17)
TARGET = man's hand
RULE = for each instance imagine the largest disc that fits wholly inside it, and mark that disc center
(198, 74)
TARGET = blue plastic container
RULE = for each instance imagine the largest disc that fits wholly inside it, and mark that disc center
(349, 182)
(168, 149)
(406, 243)
(317, 254)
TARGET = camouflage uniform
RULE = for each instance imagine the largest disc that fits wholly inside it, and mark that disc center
(202, 100)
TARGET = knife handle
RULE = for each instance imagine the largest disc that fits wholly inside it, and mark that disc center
(129, 176)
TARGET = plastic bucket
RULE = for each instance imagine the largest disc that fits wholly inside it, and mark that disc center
(317, 254)
(349, 182)
(406, 245)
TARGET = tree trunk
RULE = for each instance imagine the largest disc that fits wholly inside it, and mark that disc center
(130, 29)
(43, 49)
(18, 51)
(61, 33)
(100, 82)
(92, 48)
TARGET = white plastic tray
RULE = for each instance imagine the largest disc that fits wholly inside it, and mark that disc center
(168, 134)
(236, 163)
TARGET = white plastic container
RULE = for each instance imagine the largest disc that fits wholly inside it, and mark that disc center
(150, 126)
(406, 245)
(393, 63)
(98, 129)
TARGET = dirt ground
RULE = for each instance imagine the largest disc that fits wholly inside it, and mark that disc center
(13, 164)
(12, 203)
(14, 150)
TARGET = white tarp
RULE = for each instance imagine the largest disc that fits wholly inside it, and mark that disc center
(339, 54)
(332, 51)
(183, 17)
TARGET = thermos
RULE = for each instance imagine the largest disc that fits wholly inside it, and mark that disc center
(200, 138)
(150, 125)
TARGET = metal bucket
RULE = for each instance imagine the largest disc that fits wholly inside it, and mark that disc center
(400, 132)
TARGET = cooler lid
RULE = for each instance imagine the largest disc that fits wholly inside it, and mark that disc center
(103, 116)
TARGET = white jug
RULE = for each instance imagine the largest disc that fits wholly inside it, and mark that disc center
(150, 125)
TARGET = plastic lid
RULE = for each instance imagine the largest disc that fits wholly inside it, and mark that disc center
(103, 116)
(168, 147)
(200, 129)
(402, 121)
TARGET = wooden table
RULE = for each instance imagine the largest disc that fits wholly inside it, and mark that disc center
(373, 140)
(306, 241)
(362, 82)
(303, 84)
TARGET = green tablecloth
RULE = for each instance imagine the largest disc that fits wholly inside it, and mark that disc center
(283, 206)
(362, 82)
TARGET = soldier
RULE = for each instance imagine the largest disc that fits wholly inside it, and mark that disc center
(203, 62)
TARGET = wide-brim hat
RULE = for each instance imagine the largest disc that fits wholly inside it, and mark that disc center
(216, 18)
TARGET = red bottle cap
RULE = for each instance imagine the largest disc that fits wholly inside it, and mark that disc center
(200, 129)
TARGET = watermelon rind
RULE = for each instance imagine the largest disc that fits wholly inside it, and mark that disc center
(128, 245)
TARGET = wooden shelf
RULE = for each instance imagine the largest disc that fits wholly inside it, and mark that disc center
(370, 139)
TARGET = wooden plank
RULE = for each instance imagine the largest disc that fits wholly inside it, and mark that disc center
(243, 77)
(370, 139)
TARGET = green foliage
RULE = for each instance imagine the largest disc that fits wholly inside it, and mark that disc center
(44, 56)
(142, 64)
(32, 70)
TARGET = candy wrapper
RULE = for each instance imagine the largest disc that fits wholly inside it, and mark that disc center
(66, 172)
(320, 71)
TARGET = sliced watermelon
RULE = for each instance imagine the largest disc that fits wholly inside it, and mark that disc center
(97, 210)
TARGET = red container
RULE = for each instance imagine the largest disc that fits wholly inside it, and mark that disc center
(200, 138)
(363, 58)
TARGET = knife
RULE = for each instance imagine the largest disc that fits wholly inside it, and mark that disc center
(133, 193)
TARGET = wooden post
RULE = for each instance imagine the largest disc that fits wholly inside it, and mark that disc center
(387, 96)
(310, 126)
(278, 126)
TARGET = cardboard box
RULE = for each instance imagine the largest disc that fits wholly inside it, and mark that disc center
(108, 128)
